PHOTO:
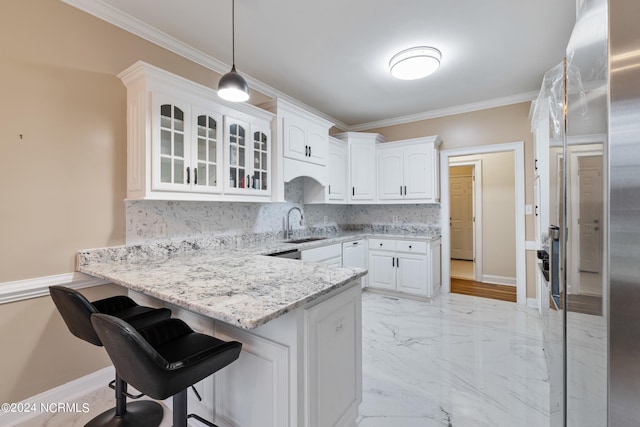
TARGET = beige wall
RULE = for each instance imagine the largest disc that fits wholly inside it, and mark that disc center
(485, 127)
(38, 352)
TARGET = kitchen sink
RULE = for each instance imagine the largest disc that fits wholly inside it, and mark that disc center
(305, 239)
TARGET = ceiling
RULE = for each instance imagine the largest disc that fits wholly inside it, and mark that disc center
(333, 55)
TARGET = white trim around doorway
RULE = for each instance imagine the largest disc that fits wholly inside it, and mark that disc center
(521, 268)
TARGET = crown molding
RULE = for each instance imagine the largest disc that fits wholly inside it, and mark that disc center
(450, 111)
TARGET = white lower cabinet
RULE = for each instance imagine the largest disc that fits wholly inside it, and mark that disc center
(303, 369)
(334, 354)
(407, 266)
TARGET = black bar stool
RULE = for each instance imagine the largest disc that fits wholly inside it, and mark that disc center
(76, 312)
(163, 359)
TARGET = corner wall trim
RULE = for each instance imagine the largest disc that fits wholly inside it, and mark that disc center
(64, 393)
(39, 286)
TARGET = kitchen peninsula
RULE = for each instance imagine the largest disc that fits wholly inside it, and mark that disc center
(299, 322)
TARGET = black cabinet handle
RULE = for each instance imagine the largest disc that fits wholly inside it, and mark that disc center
(309, 151)
(536, 210)
(393, 262)
(329, 188)
(401, 190)
(536, 164)
(353, 191)
(405, 190)
(248, 181)
(398, 262)
(188, 175)
(195, 176)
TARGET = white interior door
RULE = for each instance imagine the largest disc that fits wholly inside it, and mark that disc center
(461, 193)
(590, 213)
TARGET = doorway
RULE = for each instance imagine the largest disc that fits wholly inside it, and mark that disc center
(516, 210)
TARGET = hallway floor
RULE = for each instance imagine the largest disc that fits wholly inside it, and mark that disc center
(459, 361)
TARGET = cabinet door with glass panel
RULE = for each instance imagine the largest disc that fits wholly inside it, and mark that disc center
(248, 156)
(206, 152)
(170, 144)
(187, 148)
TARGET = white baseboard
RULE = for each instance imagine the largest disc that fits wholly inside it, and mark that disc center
(39, 286)
(68, 392)
(498, 280)
(532, 303)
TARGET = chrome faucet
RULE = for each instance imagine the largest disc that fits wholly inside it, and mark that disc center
(287, 227)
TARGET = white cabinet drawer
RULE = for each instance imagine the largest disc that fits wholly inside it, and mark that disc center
(411, 246)
(382, 244)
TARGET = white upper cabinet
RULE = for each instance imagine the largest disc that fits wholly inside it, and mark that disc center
(409, 171)
(248, 158)
(186, 146)
(361, 165)
(303, 141)
(301, 148)
(184, 143)
(337, 191)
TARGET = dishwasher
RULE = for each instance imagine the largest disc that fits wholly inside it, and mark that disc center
(354, 254)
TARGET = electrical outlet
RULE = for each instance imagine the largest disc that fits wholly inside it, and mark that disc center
(396, 219)
(326, 219)
(161, 229)
(246, 224)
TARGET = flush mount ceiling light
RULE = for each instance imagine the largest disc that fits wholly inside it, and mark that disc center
(415, 63)
(232, 86)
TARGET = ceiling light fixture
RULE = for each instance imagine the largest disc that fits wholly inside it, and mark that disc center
(232, 86)
(415, 63)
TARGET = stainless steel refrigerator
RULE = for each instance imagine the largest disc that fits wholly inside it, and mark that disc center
(591, 102)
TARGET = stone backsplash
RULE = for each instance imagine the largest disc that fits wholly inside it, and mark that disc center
(148, 220)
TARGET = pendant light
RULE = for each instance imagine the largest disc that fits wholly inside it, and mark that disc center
(232, 86)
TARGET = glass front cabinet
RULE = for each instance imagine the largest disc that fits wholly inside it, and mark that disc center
(248, 157)
(186, 144)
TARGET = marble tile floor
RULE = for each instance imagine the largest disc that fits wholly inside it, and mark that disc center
(459, 361)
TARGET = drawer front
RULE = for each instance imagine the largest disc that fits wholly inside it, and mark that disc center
(411, 246)
(382, 244)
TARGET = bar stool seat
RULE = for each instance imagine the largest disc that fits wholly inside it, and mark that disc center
(76, 312)
(163, 359)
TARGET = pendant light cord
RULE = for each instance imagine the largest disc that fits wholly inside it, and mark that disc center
(233, 33)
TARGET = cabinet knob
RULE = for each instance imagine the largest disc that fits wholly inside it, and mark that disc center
(410, 246)
(380, 244)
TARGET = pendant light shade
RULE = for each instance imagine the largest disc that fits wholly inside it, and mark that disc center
(232, 86)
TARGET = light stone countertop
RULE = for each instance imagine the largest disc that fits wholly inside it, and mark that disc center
(240, 286)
